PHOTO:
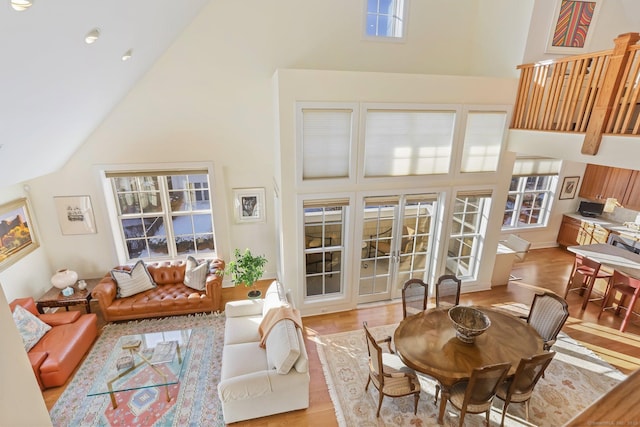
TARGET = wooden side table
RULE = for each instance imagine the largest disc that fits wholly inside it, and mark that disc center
(54, 297)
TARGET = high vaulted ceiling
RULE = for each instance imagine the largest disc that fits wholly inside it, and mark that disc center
(55, 89)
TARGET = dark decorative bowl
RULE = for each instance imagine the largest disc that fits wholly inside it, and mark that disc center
(468, 322)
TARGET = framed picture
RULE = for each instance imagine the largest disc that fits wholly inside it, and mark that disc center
(572, 26)
(249, 204)
(569, 187)
(75, 214)
(17, 232)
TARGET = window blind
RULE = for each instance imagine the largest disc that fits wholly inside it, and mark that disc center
(483, 141)
(403, 143)
(326, 143)
(534, 166)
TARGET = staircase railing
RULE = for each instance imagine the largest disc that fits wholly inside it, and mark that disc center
(594, 94)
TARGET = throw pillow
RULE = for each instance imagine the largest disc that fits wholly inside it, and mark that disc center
(133, 282)
(195, 275)
(30, 327)
(283, 348)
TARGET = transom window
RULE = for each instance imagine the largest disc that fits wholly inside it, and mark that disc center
(163, 215)
(528, 202)
(385, 18)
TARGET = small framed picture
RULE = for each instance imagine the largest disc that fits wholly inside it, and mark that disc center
(75, 214)
(249, 204)
(569, 187)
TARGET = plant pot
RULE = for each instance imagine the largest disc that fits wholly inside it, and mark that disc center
(254, 294)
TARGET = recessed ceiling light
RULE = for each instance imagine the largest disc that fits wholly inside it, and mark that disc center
(21, 5)
(127, 55)
(92, 36)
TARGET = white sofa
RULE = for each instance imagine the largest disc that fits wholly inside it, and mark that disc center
(256, 382)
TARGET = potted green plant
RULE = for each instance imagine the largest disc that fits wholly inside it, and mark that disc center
(246, 269)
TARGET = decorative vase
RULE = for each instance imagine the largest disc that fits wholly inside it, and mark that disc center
(64, 278)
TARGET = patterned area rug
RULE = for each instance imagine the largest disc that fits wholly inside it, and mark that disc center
(575, 378)
(194, 401)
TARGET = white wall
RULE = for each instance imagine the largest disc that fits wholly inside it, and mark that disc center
(21, 403)
(614, 19)
(210, 98)
(28, 276)
(304, 85)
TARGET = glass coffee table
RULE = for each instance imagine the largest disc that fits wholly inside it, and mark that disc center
(143, 361)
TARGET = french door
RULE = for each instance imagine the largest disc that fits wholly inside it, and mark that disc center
(396, 243)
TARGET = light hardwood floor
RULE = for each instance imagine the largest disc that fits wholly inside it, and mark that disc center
(543, 269)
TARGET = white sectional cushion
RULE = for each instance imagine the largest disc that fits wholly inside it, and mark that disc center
(247, 307)
(242, 329)
(241, 359)
(271, 300)
(283, 348)
(302, 364)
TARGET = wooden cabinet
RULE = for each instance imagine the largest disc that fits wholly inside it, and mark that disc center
(569, 230)
(631, 199)
(593, 182)
(574, 231)
(602, 182)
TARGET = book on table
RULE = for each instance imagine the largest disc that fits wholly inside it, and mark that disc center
(164, 352)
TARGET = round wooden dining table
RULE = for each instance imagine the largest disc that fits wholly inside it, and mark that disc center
(427, 343)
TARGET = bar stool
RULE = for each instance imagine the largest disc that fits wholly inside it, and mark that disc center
(627, 286)
(590, 272)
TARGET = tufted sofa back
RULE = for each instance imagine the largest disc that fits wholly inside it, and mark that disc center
(167, 272)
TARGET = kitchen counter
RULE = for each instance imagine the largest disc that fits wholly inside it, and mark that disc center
(610, 226)
(597, 220)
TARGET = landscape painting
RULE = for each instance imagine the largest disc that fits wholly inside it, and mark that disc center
(17, 237)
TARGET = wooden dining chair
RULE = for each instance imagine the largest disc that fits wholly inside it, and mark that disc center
(583, 277)
(519, 388)
(414, 297)
(475, 396)
(388, 374)
(627, 287)
(448, 290)
(547, 316)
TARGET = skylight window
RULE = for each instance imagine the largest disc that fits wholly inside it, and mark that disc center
(385, 19)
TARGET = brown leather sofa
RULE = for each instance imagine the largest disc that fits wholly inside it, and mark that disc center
(57, 354)
(169, 298)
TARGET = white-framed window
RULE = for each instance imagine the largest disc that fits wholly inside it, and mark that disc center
(324, 230)
(162, 214)
(468, 227)
(385, 19)
(533, 185)
(529, 201)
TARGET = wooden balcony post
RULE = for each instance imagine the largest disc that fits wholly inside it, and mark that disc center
(603, 105)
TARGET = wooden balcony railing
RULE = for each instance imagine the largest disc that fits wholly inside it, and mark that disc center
(594, 94)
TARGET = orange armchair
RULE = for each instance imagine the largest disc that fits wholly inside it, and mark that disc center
(57, 354)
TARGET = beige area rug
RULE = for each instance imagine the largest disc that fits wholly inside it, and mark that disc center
(575, 378)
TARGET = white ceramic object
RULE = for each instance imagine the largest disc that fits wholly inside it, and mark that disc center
(64, 278)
